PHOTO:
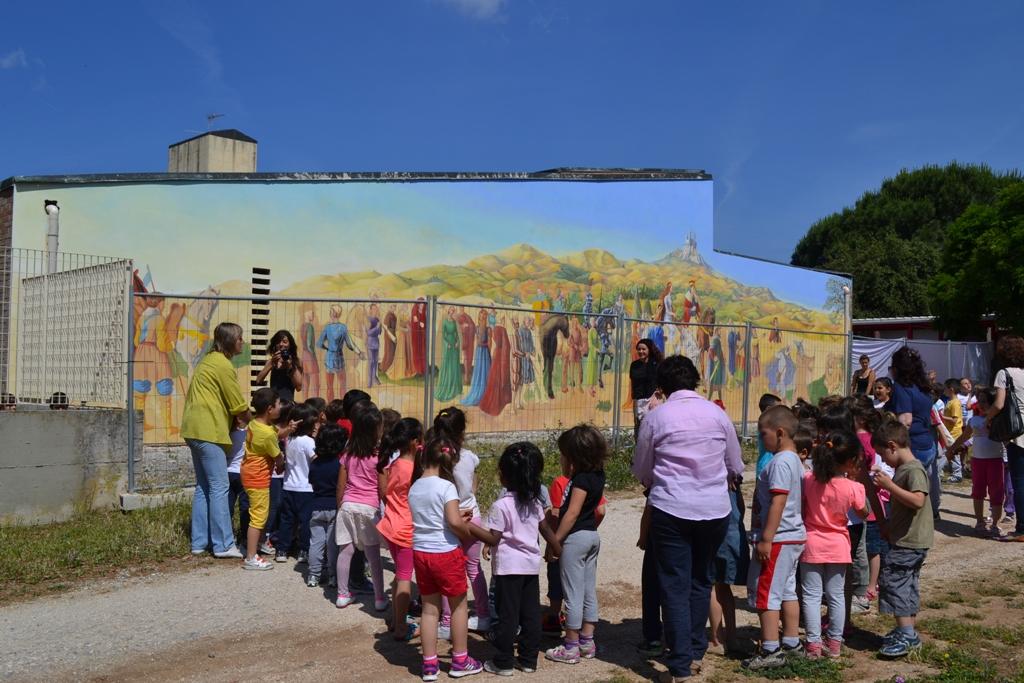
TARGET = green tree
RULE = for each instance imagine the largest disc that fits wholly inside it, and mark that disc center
(891, 240)
(982, 269)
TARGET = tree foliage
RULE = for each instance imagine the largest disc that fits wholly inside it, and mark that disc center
(891, 241)
(982, 266)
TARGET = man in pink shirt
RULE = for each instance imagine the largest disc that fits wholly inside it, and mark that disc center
(686, 452)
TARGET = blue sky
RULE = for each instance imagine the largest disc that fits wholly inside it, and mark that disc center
(796, 108)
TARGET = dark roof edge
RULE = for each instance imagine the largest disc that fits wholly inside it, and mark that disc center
(229, 133)
(590, 174)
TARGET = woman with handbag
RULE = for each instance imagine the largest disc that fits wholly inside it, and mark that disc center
(1006, 419)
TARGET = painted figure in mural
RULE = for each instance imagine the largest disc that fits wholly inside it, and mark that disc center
(373, 330)
(588, 307)
(716, 366)
(449, 378)
(516, 366)
(481, 361)
(687, 341)
(390, 339)
(804, 368)
(194, 338)
(755, 354)
(775, 336)
(572, 360)
(704, 333)
(781, 373)
(307, 339)
(732, 342)
(467, 334)
(334, 338)
(498, 393)
(540, 303)
(668, 316)
(656, 333)
(154, 341)
(527, 369)
(402, 365)
(559, 304)
(554, 326)
(832, 382)
(605, 325)
(691, 303)
(418, 328)
(592, 366)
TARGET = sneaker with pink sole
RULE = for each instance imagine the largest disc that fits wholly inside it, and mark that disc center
(832, 649)
(563, 654)
(812, 650)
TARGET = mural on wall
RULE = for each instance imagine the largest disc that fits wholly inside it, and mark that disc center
(530, 279)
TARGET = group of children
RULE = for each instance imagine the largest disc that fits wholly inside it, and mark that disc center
(830, 477)
(354, 476)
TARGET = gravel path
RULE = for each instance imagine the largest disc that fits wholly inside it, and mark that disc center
(220, 623)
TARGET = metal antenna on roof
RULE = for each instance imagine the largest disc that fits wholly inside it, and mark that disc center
(210, 118)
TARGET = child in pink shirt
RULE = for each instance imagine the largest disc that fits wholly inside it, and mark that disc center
(512, 529)
(829, 492)
(358, 503)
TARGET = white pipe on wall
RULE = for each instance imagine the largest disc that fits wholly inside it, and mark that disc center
(52, 234)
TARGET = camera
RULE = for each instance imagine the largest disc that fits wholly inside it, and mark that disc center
(285, 355)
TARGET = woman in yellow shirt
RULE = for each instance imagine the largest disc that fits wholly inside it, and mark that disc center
(213, 403)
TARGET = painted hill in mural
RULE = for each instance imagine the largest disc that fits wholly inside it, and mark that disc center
(513, 276)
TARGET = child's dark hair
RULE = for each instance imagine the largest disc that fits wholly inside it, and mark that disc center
(366, 428)
(864, 414)
(893, 430)
(803, 410)
(287, 408)
(317, 403)
(389, 418)
(399, 438)
(953, 384)
(450, 423)
(767, 401)
(803, 440)
(351, 399)
(519, 471)
(439, 452)
(839, 448)
(836, 417)
(307, 416)
(988, 393)
(779, 416)
(334, 411)
(585, 447)
(330, 441)
(263, 399)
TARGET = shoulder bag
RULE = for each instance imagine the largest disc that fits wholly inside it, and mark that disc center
(1008, 424)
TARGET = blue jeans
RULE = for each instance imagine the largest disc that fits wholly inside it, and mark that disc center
(211, 516)
(293, 520)
(685, 551)
(925, 455)
(274, 514)
(1015, 463)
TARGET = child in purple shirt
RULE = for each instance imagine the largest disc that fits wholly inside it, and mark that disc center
(511, 529)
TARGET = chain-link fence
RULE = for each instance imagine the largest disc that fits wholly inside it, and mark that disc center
(63, 323)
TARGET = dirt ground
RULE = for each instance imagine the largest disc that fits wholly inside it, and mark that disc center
(218, 623)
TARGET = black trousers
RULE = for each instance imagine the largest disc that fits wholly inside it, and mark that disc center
(518, 598)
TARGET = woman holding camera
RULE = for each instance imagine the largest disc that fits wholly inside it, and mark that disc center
(283, 365)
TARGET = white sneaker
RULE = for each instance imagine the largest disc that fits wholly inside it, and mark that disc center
(479, 624)
(344, 601)
(231, 553)
(444, 632)
(199, 552)
(256, 563)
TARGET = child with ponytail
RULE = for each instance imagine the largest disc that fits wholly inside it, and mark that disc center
(439, 532)
(829, 493)
(394, 480)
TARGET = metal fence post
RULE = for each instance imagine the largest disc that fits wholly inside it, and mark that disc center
(430, 340)
(617, 378)
(130, 393)
(745, 412)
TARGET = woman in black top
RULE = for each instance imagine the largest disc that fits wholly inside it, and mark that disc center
(642, 373)
(863, 380)
(284, 365)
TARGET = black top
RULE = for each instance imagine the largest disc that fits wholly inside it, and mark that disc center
(862, 385)
(323, 476)
(642, 378)
(593, 484)
(281, 382)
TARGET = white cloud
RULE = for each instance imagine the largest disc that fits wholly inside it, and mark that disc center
(486, 10)
(14, 60)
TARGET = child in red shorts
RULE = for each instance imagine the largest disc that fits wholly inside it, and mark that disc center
(438, 532)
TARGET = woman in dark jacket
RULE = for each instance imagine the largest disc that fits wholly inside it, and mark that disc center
(642, 377)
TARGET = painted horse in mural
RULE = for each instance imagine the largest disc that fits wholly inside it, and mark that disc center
(194, 337)
(550, 328)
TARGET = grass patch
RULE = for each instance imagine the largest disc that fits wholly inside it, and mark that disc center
(994, 590)
(813, 670)
(973, 616)
(955, 665)
(957, 631)
(48, 558)
(936, 604)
